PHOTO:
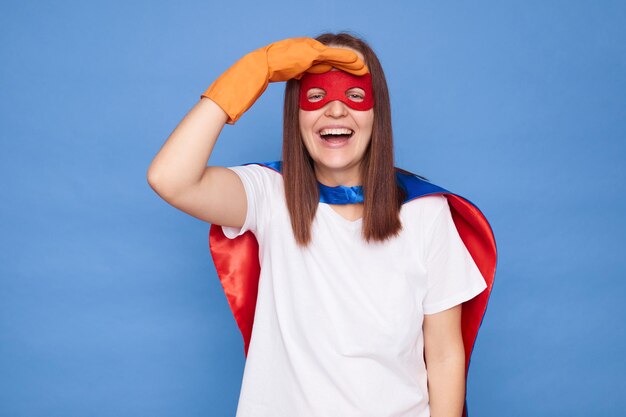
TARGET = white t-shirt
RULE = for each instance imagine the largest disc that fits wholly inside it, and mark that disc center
(338, 325)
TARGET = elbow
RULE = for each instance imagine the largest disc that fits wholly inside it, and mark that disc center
(152, 175)
(154, 178)
(166, 185)
(158, 182)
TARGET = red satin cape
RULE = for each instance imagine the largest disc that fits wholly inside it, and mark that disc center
(237, 264)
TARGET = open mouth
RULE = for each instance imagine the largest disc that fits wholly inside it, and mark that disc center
(336, 135)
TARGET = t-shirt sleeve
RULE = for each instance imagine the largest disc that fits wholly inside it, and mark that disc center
(257, 183)
(453, 276)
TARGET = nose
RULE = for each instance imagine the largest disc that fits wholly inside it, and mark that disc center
(336, 108)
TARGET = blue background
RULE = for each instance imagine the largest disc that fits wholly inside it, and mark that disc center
(109, 302)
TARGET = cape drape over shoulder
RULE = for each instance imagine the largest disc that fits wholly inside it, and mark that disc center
(237, 260)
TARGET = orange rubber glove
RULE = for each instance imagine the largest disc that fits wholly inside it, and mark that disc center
(236, 90)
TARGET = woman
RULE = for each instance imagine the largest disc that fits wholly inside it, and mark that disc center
(362, 269)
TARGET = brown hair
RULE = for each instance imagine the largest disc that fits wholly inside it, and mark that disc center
(381, 194)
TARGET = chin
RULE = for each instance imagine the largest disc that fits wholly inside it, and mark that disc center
(336, 163)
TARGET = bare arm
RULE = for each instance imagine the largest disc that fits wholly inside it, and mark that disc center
(445, 362)
(179, 172)
(216, 194)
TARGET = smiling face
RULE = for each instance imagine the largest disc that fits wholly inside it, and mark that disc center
(337, 129)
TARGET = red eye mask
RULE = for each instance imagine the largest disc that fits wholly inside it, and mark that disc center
(336, 84)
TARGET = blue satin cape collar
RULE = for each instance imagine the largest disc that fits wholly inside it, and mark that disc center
(414, 186)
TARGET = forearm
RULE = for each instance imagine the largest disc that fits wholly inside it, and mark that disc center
(181, 163)
(444, 353)
(446, 386)
(182, 160)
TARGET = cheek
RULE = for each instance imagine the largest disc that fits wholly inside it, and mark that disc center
(303, 121)
(307, 121)
(309, 146)
(367, 122)
(305, 130)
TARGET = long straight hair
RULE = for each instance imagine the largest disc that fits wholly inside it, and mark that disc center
(382, 195)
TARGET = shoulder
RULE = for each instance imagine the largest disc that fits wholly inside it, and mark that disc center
(424, 201)
(261, 169)
(259, 176)
(416, 186)
(425, 208)
(420, 191)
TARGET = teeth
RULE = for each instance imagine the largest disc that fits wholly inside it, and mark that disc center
(339, 131)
